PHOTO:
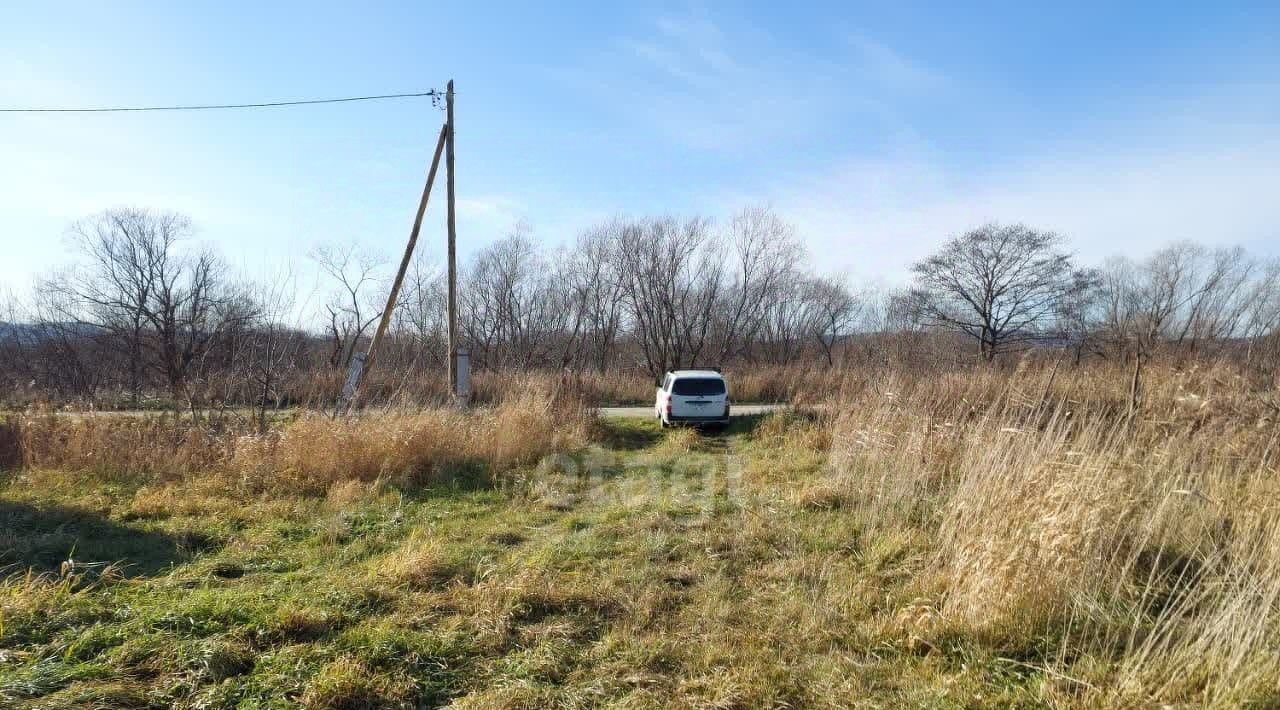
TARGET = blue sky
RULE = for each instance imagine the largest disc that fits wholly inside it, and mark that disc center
(878, 128)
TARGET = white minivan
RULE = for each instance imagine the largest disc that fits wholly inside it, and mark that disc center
(692, 397)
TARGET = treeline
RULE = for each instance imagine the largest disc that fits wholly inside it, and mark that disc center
(143, 312)
(1009, 287)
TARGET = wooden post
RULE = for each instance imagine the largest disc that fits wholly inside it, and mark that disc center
(453, 236)
(360, 365)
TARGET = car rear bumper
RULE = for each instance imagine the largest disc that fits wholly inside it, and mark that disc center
(723, 419)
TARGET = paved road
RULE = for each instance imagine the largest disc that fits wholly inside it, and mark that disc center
(735, 410)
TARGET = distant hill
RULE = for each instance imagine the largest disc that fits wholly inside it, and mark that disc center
(21, 330)
(30, 332)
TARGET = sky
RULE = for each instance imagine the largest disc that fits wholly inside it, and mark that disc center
(879, 129)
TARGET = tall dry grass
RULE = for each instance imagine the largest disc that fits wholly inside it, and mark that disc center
(309, 454)
(119, 447)
(747, 383)
(315, 452)
(1140, 555)
(389, 387)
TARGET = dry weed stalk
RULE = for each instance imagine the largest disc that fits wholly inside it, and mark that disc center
(1153, 544)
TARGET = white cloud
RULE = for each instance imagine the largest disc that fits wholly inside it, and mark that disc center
(875, 217)
(489, 206)
(720, 87)
(890, 68)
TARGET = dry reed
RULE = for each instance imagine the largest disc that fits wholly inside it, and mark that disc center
(311, 453)
(1152, 543)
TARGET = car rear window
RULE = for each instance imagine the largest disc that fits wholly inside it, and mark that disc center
(698, 386)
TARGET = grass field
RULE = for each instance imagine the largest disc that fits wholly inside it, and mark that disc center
(945, 543)
(619, 574)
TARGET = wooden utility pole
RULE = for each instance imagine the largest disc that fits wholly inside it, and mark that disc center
(362, 362)
(453, 266)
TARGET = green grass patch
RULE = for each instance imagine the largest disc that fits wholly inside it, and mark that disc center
(654, 568)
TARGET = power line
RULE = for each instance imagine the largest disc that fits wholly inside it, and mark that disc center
(434, 94)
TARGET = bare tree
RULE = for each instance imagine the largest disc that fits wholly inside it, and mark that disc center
(193, 304)
(143, 309)
(673, 277)
(163, 306)
(997, 284)
(352, 307)
(1080, 312)
(521, 307)
(836, 310)
(764, 264)
(15, 365)
(792, 320)
(597, 284)
(65, 357)
(271, 345)
(113, 288)
(1216, 307)
(422, 317)
(1261, 321)
(1183, 294)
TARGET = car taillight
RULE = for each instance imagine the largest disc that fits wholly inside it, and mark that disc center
(668, 406)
